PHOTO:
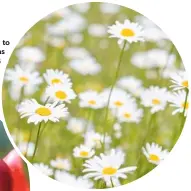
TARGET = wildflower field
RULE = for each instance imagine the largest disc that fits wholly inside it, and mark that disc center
(95, 95)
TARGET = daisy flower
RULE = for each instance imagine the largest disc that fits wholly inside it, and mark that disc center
(86, 66)
(117, 127)
(154, 58)
(22, 78)
(76, 53)
(56, 42)
(83, 151)
(37, 113)
(177, 100)
(154, 153)
(61, 164)
(91, 99)
(97, 30)
(155, 98)
(82, 7)
(131, 84)
(129, 113)
(179, 80)
(27, 148)
(60, 93)
(53, 77)
(30, 54)
(118, 98)
(94, 139)
(45, 169)
(108, 8)
(70, 179)
(107, 167)
(77, 125)
(128, 31)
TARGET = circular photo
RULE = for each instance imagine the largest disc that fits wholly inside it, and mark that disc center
(95, 95)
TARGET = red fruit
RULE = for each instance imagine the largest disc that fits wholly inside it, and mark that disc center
(15, 164)
(6, 181)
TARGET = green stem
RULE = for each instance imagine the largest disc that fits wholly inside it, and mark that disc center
(90, 113)
(143, 142)
(18, 120)
(112, 185)
(112, 87)
(29, 140)
(37, 141)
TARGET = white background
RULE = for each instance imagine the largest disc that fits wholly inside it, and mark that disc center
(173, 16)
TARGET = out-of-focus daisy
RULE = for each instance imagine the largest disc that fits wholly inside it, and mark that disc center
(56, 42)
(151, 31)
(76, 38)
(129, 113)
(97, 30)
(26, 149)
(77, 125)
(91, 99)
(53, 77)
(70, 179)
(76, 53)
(86, 66)
(59, 92)
(82, 7)
(128, 31)
(37, 113)
(45, 169)
(83, 151)
(109, 8)
(72, 23)
(107, 167)
(154, 153)
(154, 58)
(117, 127)
(30, 54)
(22, 78)
(177, 100)
(131, 84)
(118, 98)
(94, 139)
(179, 80)
(61, 164)
(155, 98)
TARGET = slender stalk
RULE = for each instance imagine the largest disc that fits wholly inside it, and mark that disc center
(29, 140)
(18, 120)
(112, 185)
(143, 142)
(37, 141)
(90, 113)
(112, 87)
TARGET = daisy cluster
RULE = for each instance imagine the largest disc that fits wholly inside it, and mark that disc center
(89, 111)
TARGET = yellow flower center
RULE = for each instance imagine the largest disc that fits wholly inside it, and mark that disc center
(92, 102)
(185, 83)
(24, 79)
(61, 95)
(127, 115)
(84, 153)
(118, 103)
(56, 81)
(156, 101)
(43, 111)
(109, 171)
(127, 32)
(154, 157)
(185, 105)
